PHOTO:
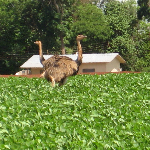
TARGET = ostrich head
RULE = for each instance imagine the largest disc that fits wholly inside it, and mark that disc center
(80, 37)
(37, 42)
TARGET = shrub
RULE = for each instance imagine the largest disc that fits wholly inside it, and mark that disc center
(90, 112)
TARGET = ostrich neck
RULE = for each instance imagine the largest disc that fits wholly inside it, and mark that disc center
(79, 52)
(40, 49)
(41, 53)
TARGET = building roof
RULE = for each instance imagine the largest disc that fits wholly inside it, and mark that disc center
(34, 61)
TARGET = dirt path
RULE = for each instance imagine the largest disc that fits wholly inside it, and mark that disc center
(28, 76)
(38, 75)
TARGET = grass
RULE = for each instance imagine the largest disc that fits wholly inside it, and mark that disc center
(110, 111)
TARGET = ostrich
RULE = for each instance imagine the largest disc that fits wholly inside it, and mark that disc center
(50, 61)
(58, 68)
(46, 63)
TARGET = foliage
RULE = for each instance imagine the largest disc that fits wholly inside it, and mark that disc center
(142, 45)
(93, 112)
(14, 34)
(121, 17)
(130, 37)
(29, 21)
(93, 25)
(10, 14)
(144, 10)
(90, 20)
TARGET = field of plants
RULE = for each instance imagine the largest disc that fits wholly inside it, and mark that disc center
(110, 111)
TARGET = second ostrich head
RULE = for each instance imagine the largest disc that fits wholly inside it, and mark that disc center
(80, 37)
(37, 42)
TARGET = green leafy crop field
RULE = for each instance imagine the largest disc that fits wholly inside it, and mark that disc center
(90, 112)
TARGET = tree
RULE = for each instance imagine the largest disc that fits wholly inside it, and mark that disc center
(121, 17)
(130, 37)
(63, 13)
(90, 20)
(10, 13)
(144, 10)
(19, 31)
(30, 21)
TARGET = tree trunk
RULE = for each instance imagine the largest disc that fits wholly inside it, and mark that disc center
(60, 11)
(63, 52)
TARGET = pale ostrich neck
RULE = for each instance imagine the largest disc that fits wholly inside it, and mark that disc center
(79, 52)
(40, 49)
(41, 53)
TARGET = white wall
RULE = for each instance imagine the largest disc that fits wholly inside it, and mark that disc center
(36, 70)
(23, 72)
(113, 66)
(99, 67)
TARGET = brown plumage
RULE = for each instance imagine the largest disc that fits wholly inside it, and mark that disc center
(58, 68)
(50, 61)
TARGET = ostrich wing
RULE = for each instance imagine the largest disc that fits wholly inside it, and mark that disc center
(55, 60)
(61, 68)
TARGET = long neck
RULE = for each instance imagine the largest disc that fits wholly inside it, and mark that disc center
(41, 53)
(79, 59)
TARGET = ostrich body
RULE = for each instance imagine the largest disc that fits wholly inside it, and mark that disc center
(50, 62)
(58, 68)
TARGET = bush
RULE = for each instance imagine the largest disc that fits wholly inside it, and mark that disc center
(90, 112)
